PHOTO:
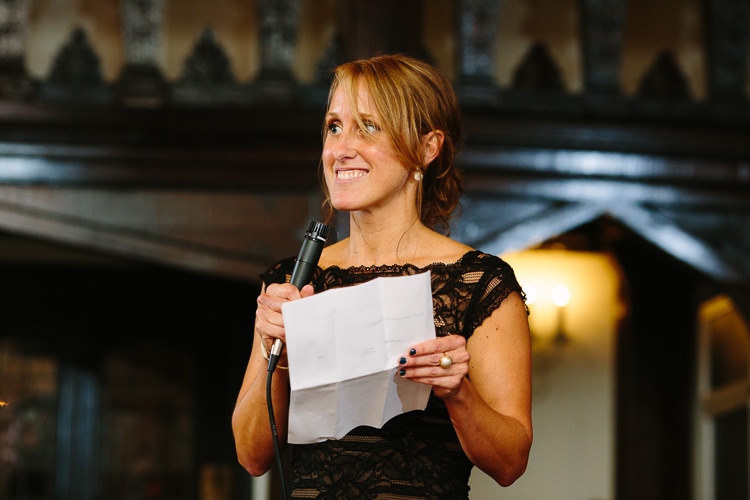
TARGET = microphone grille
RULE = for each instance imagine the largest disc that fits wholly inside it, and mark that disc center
(317, 231)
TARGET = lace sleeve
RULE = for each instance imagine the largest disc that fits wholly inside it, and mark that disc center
(280, 272)
(494, 280)
(465, 293)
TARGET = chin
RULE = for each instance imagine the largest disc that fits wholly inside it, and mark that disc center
(343, 207)
(344, 203)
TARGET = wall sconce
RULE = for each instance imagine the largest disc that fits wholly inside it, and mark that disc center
(561, 298)
(548, 327)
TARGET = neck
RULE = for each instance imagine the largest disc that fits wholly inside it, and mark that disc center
(389, 242)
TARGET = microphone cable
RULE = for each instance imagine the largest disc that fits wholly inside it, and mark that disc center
(307, 261)
(274, 432)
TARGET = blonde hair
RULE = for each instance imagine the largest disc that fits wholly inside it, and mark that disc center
(412, 98)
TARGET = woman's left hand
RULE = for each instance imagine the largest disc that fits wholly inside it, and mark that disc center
(442, 363)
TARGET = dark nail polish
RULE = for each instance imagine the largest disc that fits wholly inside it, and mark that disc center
(402, 372)
(413, 352)
(402, 361)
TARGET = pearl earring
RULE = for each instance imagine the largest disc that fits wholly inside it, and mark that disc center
(418, 175)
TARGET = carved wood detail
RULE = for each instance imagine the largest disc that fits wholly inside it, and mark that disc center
(602, 32)
(727, 24)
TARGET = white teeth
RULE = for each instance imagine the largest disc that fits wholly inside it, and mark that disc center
(346, 175)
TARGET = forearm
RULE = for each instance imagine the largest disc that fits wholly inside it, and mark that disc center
(496, 443)
(250, 420)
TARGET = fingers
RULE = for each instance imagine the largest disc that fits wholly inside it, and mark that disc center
(441, 344)
(283, 291)
(432, 351)
(442, 363)
(269, 321)
(438, 364)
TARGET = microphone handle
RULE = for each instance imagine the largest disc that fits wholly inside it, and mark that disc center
(307, 261)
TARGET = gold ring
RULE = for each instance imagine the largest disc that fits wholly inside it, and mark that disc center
(446, 361)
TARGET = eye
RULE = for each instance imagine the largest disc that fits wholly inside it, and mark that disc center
(370, 127)
(333, 128)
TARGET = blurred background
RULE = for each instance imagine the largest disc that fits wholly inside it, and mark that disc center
(157, 155)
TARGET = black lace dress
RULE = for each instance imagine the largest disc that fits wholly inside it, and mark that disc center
(415, 455)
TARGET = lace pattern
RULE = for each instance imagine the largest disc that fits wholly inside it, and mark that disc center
(417, 454)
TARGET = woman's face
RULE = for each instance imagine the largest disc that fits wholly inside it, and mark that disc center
(363, 172)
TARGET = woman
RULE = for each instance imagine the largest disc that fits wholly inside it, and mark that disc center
(391, 132)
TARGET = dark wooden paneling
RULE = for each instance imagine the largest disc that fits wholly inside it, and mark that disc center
(225, 149)
(279, 148)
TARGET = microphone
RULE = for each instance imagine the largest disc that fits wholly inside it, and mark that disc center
(309, 254)
(307, 261)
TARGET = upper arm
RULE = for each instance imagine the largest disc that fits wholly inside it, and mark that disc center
(500, 366)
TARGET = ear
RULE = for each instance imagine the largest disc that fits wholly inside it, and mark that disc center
(432, 144)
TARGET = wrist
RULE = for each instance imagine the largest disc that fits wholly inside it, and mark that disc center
(267, 356)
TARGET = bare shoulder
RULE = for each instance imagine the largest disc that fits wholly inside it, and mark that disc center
(332, 254)
(440, 248)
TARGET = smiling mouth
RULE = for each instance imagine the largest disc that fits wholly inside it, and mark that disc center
(346, 175)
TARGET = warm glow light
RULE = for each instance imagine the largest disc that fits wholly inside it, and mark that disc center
(532, 294)
(561, 296)
(559, 286)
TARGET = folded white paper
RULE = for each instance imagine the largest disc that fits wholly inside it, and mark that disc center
(343, 347)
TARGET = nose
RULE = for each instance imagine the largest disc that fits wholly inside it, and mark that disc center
(343, 145)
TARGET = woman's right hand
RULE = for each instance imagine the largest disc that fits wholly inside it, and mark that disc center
(269, 321)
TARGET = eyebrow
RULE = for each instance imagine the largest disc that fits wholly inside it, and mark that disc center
(331, 114)
(369, 117)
